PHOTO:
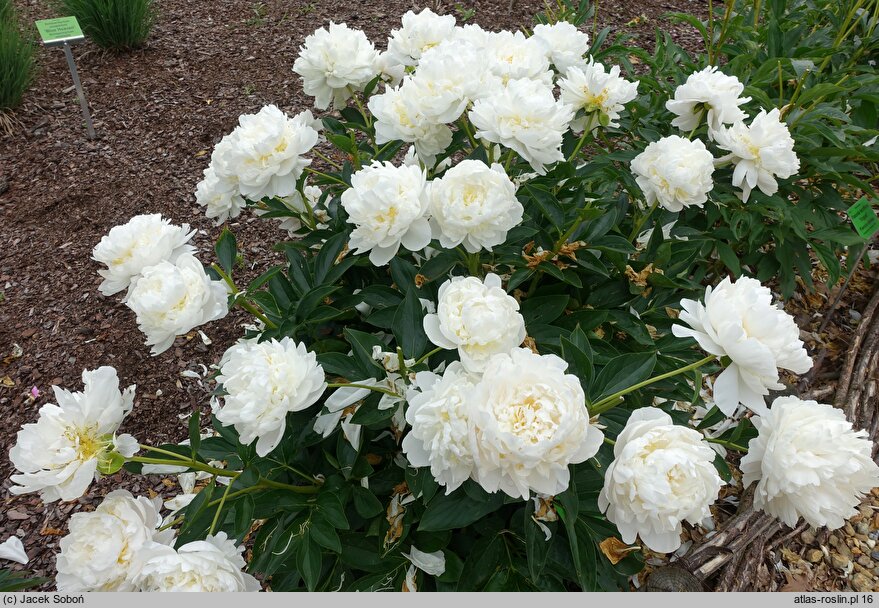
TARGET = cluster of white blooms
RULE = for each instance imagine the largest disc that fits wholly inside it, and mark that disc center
(666, 171)
(662, 474)
(262, 157)
(68, 446)
(263, 381)
(738, 320)
(808, 462)
(168, 288)
(437, 73)
(514, 428)
(120, 547)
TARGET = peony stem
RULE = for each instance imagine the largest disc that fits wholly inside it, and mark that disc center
(277, 485)
(427, 356)
(636, 229)
(580, 143)
(377, 389)
(727, 444)
(612, 401)
(327, 159)
(326, 176)
(256, 313)
(166, 452)
(190, 464)
(219, 509)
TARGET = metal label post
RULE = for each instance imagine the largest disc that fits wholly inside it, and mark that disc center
(79, 92)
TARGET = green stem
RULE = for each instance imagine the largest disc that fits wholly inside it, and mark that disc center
(190, 464)
(427, 356)
(636, 229)
(166, 452)
(710, 30)
(257, 313)
(326, 176)
(466, 128)
(580, 143)
(508, 162)
(612, 401)
(277, 485)
(377, 389)
(727, 444)
(226, 278)
(216, 519)
(473, 264)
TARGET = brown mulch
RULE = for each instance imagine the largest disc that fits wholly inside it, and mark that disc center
(158, 112)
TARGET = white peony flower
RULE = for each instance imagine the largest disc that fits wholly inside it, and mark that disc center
(675, 171)
(761, 152)
(662, 474)
(334, 63)
(525, 117)
(220, 196)
(511, 56)
(387, 204)
(171, 299)
(441, 436)
(708, 94)
(264, 381)
(212, 565)
(565, 45)
(808, 462)
(739, 321)
(474, 204)
(600, 95)
(478, 318)
(144, 241)
(420, 32)
(13, 550)
(398, 116)
(530, 423)
(264, 152)
(59, 455)
(104, 549)
(448, 78)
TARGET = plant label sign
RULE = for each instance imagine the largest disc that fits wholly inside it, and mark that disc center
(56, 32)
(864, 218)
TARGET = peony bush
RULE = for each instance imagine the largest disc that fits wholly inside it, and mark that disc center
(487, 348)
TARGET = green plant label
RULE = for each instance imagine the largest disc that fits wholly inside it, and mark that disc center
(864, 218)
(62, 29)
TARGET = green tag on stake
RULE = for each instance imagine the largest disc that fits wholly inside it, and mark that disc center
(60, 30)
(864, 218)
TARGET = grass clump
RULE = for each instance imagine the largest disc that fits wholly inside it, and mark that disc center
(16, 58)
(118, 25)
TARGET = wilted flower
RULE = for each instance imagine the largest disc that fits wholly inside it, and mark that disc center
(441, 435)
(524, 116)
(387, 204)
(739, 321)
(334, 63)
(398, 116)
(61, 453)
(478, 318)
(662, 474)
(530, 423)
(264, 154)
(264, 381)
(420, 32)
(212, 565)
(808, 462)
(104, 548)
(219, 195)
(144, 241)
(761, 152)
(171, 299)
(474, 205)
(675, 171)
(711, 95)
(565, 44)
(600, 95)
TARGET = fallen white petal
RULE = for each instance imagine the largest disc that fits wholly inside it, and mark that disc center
(13, 550)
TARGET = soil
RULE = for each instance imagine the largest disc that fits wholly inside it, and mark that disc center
(158, 112)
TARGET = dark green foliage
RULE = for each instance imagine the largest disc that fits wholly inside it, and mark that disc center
(114, 24)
